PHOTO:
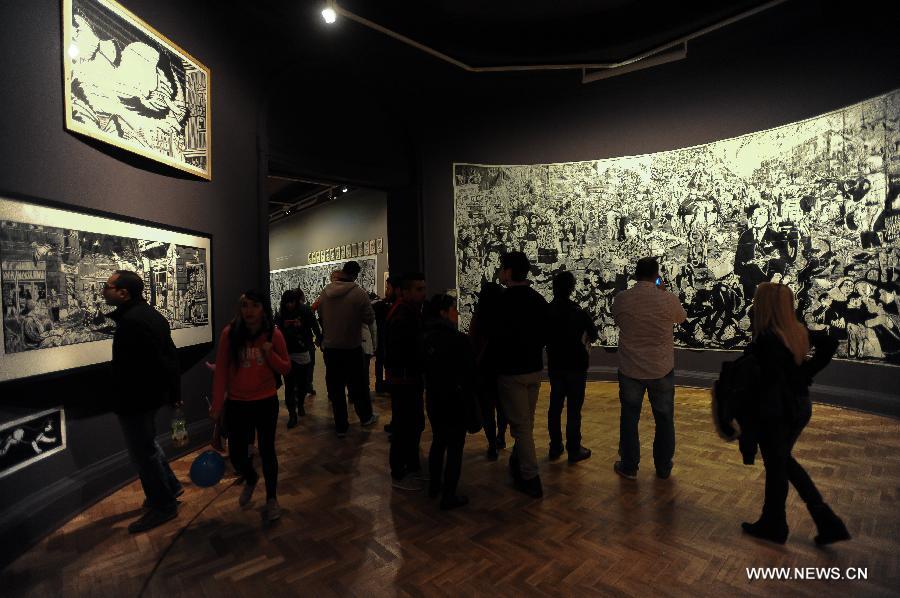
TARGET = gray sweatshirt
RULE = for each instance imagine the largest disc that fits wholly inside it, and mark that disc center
(344, 308)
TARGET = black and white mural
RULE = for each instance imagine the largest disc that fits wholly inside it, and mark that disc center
(28, 439)
(312, 279)
(54, 265)
(814, 204)
(128, 85)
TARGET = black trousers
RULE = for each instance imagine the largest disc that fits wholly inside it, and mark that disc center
(494, 427)
(379, 371)
(159, 483)
(346, 369)
(310, 369)
(776, 441)
(566, 387)
(407, 424)
(449, 440)
(295, 387)
(245, 417)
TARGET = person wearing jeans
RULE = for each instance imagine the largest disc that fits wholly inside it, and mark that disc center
(344, 308)
(645, 315)
(661, 392)
(145, 362)
(568, 356)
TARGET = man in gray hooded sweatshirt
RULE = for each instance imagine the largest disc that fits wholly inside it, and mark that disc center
(344, 308)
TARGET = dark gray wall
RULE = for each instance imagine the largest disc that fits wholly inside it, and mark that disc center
(39, 158)
(358, 216)
(796, 61)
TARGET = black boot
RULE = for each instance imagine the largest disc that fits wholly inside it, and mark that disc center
(831, 528)
(292, 420)
(773, 529)
(532, 487)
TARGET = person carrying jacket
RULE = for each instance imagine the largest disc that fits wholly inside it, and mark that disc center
(781, 410)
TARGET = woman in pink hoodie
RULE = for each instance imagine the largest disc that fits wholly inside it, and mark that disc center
(252, 351)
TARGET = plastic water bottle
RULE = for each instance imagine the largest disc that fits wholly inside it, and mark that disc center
(179, 428)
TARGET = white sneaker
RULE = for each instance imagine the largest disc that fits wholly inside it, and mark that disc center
(273, 511)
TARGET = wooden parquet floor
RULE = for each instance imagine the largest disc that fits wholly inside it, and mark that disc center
(346, 532)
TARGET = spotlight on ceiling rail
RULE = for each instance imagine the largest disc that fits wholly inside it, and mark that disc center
(328, 14)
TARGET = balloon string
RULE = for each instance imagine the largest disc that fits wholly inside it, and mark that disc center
(181, 532)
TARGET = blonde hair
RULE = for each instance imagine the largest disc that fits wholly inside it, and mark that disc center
(773, 311)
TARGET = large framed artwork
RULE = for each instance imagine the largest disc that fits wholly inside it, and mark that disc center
(29, 439)
(311, 279)
(128, 85)
(55, 261)
(813, 204)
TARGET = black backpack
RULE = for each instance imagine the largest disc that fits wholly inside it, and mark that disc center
(731, 394)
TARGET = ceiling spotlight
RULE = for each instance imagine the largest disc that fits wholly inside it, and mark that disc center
(344, 190)
(329, 15)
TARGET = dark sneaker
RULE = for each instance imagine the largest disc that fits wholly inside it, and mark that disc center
(406, 483)
(150, 519)
(292, 421)
(247, 493)
(178, 493)
(371, 421)
(453, 502)
(273, 510)
(556, 452)
(532, 487)
(580, 455)
(628, 474)
(663, 474)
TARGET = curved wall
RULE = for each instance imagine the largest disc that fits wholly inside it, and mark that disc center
(788, 64)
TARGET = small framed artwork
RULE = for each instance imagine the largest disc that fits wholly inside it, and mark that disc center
(347, 251)
(353, 250)
(379, 245)
(358, 248)
(341, 252)
(365, 248)
(32, 438)
(372, 246)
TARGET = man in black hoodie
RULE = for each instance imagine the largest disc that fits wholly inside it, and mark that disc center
(517, 341)
(145, 369)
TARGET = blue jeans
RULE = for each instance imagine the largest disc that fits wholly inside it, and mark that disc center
(662, 400)
(159, 483)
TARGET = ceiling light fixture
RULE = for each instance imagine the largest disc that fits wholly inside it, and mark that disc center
(328, 13)
(344, 190)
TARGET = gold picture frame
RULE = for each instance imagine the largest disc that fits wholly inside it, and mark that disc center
(128, 85)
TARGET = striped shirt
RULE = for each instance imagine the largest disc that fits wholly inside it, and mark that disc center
(645, 316)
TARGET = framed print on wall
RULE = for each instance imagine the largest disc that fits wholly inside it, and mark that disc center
(55, 262)
(32, 438)
(128, 85)
(379, 245)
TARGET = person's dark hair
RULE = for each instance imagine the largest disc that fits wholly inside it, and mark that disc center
(518, 263)
(351, 269)
(409, 278)
(563, 284)
(131, 282)
(438, 303)
(393, 281)
(289, 296)
(301, 295)
(240, 335)
(647, 267)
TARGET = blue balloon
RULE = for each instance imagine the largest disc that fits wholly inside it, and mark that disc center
(207, 469)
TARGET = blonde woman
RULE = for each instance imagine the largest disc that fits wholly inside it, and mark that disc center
(783, 408)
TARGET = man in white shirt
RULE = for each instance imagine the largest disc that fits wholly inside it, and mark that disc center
(645, 315)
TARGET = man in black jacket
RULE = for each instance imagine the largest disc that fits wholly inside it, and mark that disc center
(403, 373)
(572, 331)
(145, 370)
(516, 345)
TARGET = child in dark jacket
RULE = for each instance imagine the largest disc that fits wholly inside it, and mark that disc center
(782, 409)
(292, 324)
(450, 396)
